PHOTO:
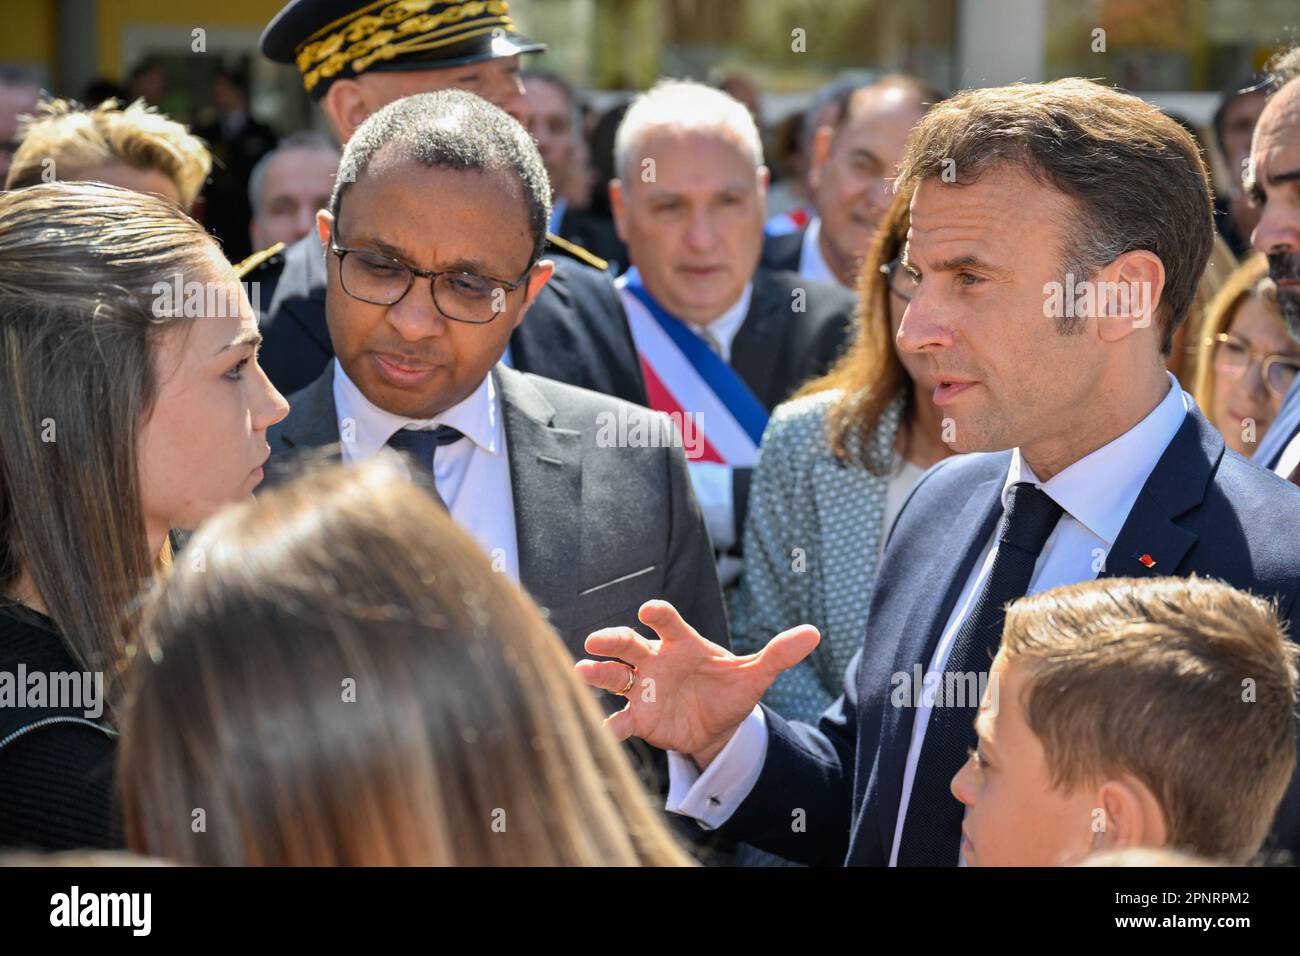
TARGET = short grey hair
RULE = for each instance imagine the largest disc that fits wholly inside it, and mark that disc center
(452, 129)
(687, 107)
(303, 139)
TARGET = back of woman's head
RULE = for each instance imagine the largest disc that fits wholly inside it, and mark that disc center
(79, 333)
(334, 674)
(66, 140)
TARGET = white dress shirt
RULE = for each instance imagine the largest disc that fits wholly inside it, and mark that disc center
(711, 479)
(1289, 460)
(472, 475)
(1096, 493)
(812, 265)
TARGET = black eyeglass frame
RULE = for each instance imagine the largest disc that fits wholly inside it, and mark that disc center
(413, 273)
(889, 270)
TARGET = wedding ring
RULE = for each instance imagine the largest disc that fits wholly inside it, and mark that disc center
(631, 682)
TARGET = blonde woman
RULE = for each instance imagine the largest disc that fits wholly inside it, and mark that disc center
(346, 681)
(134, 147)
(1247, 361)
(121, 422)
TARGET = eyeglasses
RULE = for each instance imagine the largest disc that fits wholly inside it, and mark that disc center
(1233, 355)
(901, 282)
(460, 296)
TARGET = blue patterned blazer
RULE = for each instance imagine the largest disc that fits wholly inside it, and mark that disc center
(812, 541)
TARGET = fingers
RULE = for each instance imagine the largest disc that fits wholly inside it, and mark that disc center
(621, 642)
(665, 621)
(620, 724)
(606, 675)
(788, 648)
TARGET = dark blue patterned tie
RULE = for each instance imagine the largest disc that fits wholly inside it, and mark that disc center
(422, 445)
(932, 830)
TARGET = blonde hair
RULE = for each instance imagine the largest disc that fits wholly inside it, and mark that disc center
(77, 139)
(1149, 678)
(468, 739)
(1249, 280)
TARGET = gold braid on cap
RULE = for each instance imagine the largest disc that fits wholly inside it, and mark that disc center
(387, 29)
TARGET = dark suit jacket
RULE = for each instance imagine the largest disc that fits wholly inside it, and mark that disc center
(574, 332)
(783, 252)
(1281, 431)
(601, 528)
(597, 234)
(1202, 510)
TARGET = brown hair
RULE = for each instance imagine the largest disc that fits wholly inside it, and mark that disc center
(76, 139)
(869, 375)
(78, 378)
(1153, 678)
(467, 739)
(1136, 175)
(1249, 280)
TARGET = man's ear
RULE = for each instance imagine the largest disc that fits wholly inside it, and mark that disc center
(764, 180)
(1128, 294)
(616, 207)
(537, 278)
(324, 228)
(821, 151)
(1132, 814)
(345, 107)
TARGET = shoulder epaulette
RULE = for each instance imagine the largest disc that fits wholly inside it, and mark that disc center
(575, 250)
(246, 266)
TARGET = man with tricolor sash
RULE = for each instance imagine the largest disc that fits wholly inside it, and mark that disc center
(721, 342)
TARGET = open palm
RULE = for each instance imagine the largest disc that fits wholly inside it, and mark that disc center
(689, 695)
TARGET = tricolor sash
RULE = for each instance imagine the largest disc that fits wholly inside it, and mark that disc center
(684, 377)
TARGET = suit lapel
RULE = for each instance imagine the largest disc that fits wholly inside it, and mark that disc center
(1150, 544)
(312, 421)
(925, 622)
(756, 350)
(546, 482)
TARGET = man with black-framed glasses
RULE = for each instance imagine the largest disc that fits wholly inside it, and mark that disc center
(435, 234)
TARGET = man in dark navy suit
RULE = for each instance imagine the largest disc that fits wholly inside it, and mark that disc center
(1274, 181)
(1058, 232)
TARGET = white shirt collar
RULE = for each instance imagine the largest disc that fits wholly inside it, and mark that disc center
(811, 263)
(1100, 489)
(724, 327)
(477, 417)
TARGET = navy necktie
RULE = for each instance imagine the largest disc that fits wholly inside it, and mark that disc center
(932, 830)
(422, 445)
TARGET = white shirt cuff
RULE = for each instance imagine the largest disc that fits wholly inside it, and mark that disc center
(712, 797)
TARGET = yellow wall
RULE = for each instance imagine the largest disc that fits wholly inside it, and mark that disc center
(29, 33)
(113, 15)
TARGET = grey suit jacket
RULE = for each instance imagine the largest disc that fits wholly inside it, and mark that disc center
(602, 527)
